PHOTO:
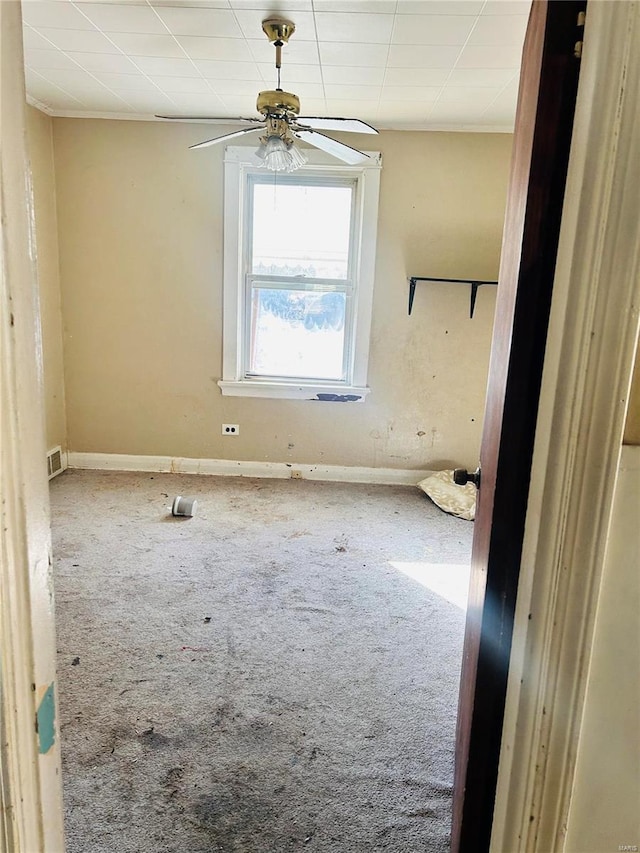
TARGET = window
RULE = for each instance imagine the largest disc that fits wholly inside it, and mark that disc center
(299, 254)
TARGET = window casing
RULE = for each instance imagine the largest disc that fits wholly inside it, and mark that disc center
(297, 324)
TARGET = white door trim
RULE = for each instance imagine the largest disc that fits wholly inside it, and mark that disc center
(588, 366)
(29, 746)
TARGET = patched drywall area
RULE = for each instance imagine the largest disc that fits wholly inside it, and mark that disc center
(40, 150)
(140, 225)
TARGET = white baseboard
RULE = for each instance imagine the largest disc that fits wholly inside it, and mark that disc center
(230, 468)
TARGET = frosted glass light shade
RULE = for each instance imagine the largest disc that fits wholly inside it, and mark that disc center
(280, 156)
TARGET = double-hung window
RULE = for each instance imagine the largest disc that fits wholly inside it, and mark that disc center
(299, 255)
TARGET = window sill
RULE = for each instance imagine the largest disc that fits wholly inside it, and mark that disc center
(318, 392)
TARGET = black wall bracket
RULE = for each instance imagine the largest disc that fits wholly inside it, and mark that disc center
(474, 288)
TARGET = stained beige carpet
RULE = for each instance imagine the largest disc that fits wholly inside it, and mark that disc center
(272, 675)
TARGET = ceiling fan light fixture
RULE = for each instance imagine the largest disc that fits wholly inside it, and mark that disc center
(280, 155)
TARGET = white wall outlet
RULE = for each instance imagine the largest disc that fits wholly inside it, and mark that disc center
(231, 429)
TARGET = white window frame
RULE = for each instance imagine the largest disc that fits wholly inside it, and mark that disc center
(239, 164)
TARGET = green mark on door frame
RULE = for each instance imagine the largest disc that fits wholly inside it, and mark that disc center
(46, 721)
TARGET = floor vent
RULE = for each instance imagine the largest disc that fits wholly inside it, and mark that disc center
(55, 462)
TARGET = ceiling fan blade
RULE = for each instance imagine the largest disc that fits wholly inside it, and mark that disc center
(350, 125)
(331, 146)
(214, 119)
(225, 136)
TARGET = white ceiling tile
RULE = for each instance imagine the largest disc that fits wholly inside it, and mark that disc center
(416, 76)
(126, 82)
(347, 108)
(373, 55)
(79, 40)
(32, 39)
(205, 105)
(35, 79)
(115, 62)
(54, 14)
(72, 80)
(507, 7)
(310, 92)
(499, 117)
(47, 59)
(229, 49)
(297, 52)
(219, 70)
(499, 30)
(208, 4)
(102, 2)
(291, 74)
(55, 99)
(242, 88)
(468, 97)
(149, 104)
(439, 7)
(455, 114)
(353, 75)
(117, 18)
(251, 25)
(350, 27)
(423, 94)
(189, 21)
(313, 107)
(430, 56)
(239, 106)
(432, 29)
(483, 56)
(405, 111)
(382, 7)
(193, 85)
(508, 97)
(480, 76)
(352, 93)
(166, 66)
(264, 8)
(137, 44)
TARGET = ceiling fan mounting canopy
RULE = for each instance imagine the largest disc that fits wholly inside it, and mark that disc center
(278, 30)
(278, 103)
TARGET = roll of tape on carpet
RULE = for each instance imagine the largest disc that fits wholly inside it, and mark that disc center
(184, 506)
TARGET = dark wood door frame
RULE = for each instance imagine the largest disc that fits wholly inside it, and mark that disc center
(542, 141)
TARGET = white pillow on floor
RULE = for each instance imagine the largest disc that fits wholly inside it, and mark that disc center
(457, 500)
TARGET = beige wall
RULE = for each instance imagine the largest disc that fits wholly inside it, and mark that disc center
(140, 225)
(604, 812)
(40, 149)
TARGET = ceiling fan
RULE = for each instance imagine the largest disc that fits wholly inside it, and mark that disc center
(281, 120)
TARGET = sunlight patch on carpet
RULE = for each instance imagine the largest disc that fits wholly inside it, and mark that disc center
(448, 580)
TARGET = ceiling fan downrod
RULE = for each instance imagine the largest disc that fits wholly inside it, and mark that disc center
(278, 31)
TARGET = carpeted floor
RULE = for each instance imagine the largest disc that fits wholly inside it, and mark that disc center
(272, 675)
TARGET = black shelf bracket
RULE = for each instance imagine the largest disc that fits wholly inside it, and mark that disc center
(475, 284)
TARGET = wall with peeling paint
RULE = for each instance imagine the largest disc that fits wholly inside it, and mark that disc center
(40, 150)
(140, 228)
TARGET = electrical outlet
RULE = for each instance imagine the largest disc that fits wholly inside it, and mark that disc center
(231, 429)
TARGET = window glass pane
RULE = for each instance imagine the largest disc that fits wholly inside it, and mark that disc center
(301, 230)
(297, 333)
